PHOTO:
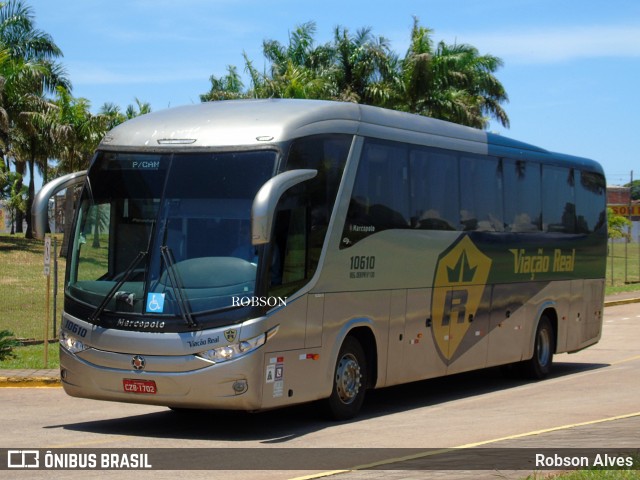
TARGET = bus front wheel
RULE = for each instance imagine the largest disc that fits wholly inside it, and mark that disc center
(349, 381)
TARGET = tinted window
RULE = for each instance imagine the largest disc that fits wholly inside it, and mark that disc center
(434, 189)
(380, 197)
(590, 202)
(522, 204)
(558, 200)
(304, 211)
(481, 194)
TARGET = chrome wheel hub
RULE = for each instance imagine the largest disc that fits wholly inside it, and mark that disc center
(348, 378)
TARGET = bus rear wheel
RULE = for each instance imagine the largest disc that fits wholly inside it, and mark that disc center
(539, 366)
(349, 381)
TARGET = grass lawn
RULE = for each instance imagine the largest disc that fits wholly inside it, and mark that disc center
(592, 475)
(32, 357)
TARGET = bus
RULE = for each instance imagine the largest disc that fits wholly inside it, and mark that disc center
(253, 254)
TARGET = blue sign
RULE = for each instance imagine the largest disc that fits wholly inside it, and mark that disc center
(155, 303)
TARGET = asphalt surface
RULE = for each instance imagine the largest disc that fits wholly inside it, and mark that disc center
(51, 377)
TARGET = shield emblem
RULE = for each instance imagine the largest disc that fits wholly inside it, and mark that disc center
(460, 280)
(230, 335)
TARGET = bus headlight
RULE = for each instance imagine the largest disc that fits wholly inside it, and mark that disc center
(71, 343)
(235, 350)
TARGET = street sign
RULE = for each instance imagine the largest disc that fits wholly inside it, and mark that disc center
(47, 255)
(626, 210)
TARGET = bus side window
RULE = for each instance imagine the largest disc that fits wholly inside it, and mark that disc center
(304, 211)
(558, 201)
(522, 196)
(380, 197)
(434, 189)
(481, 194)
(590, 203)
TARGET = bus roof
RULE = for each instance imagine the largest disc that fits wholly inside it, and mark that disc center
(258, 122)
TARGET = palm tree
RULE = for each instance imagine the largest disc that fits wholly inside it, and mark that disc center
(228, 87)
(19, 35)
(31, 144)
(28, 73)
(365, 67)
(298, 70)
(78, 133)
(112, 114)
(140, 108)
(301, 52)
(450, 82)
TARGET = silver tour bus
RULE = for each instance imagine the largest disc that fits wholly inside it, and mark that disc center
(255, 254)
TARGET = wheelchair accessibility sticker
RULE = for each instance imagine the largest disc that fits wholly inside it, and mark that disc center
(155, 303)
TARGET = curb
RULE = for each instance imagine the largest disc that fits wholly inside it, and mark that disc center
(613, 303)
(22, 381)
(54, 381)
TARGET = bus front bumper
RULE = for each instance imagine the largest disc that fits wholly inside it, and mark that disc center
(232, 385)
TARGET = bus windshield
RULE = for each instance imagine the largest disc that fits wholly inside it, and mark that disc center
(167, 234)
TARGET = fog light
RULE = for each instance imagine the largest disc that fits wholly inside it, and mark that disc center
(240, 386)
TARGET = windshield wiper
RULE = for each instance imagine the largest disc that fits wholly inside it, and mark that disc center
(107, 298)
(178, 286)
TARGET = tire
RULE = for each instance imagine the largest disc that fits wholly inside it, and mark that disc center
(539, 366)
(349, 381)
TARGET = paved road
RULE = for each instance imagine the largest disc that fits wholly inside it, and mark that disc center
(590, 401)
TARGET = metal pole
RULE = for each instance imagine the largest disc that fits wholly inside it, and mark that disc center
(611, 265)
(55, 285)
(628, 239)
(47, 257)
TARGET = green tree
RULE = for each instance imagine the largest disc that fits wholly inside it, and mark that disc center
(618, 226)
(635, 189)
(299, 69)
(365, 68)
(450, 82)
(137, 109)
(16, 198)
(29, 71)
(77, 133)
(7, 343)
(227, 87)
(112, 115)
(76, 130)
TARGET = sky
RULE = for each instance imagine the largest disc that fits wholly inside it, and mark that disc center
(571, 69)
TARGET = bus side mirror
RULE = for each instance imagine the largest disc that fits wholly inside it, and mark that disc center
(264, 204)
(40, 207)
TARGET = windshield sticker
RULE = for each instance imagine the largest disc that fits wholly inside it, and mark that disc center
(155, 303)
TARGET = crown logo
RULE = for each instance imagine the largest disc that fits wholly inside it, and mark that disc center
(462, 272)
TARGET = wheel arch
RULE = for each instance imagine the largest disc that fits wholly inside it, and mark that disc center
(548, 310)
(367, 340)
(362, 329)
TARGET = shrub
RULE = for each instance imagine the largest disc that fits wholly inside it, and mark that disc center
(7, 342)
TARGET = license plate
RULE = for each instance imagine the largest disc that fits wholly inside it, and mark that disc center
(132, 385)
